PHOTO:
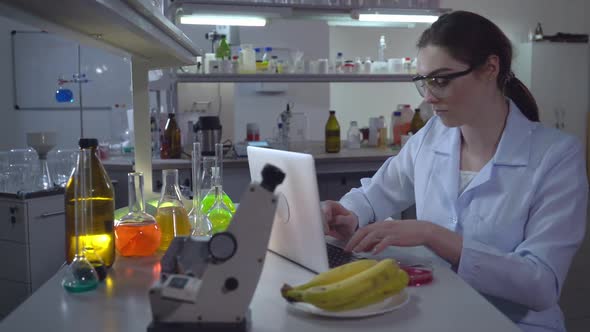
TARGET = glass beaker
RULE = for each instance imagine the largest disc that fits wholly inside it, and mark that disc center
(200, 225)
(80, 275)
(137, 233)
(171, 215)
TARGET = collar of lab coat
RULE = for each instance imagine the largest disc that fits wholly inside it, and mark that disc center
(514, 146)
(513, 150)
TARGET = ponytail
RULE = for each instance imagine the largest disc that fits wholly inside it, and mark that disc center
(522, 97)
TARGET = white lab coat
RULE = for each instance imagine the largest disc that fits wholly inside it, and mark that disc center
(522, 217)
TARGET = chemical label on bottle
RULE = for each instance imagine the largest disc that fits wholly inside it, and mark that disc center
(332, 133)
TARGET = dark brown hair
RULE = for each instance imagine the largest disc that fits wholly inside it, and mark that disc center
(471, 39)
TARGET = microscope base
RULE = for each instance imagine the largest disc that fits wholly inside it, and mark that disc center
(241, 326)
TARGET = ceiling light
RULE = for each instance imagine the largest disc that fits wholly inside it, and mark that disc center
(397, 18)
(232, 20)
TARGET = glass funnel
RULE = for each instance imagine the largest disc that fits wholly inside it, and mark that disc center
(200, 225)
(80, 276)
(171, 215)
(137, 233)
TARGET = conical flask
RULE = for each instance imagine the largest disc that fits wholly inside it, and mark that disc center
(201, 227)
(137, 233)
(209, 165)
(80, 276)
(171, 215)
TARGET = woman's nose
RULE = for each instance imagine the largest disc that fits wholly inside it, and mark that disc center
(430, 98)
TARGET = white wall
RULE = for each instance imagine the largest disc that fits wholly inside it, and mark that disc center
(16, 123)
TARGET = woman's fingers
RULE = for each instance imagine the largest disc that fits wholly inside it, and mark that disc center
(383, 244)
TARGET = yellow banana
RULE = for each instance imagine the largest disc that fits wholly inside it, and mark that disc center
(349, 289)
(331, 276)
(387, 290)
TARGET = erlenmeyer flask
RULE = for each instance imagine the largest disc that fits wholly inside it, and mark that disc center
(171, 215)
(200, 225)
(80, 276)
(137, 233)
(209, 165)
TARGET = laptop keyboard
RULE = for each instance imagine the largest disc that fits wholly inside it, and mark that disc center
(337, 256)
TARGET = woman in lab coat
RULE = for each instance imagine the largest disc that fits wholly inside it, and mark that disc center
(500, 197)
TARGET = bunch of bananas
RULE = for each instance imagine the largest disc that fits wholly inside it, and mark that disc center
(351, 286)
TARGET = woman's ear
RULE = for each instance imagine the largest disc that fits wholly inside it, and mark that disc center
(491, 68)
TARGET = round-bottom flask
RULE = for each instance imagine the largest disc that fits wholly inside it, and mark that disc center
(137, 233)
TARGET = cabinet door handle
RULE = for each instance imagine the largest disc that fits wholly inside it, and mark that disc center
(51, 214)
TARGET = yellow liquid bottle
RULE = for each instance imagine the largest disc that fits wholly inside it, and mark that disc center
(171, 215)
(100, 212)
(332, 134)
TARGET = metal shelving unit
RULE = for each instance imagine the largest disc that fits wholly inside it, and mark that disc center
(293, 78)
(135, 27)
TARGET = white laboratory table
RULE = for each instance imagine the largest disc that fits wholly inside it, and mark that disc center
(121, 304)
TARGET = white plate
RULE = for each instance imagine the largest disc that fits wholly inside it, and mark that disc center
(392, 303)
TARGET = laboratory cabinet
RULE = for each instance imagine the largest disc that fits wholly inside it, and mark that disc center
(32, 237)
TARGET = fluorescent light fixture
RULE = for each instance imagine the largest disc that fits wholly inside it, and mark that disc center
(397, 18)
(234, 20)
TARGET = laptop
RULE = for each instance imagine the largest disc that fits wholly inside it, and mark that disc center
(298, 228)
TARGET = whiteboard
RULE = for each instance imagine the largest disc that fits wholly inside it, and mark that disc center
(40, 58)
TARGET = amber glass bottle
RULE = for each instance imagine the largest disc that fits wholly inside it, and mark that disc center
(332, 134)
(417, 122)
(171, 148)
(100, 212)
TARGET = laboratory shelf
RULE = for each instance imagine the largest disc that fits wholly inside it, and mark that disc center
(136, 27)
(286, 78)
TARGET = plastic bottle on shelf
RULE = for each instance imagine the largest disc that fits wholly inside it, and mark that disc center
(223, 52)
(396, 127)
(354, 136)
(247, 60)
(407, 65)
(358, 65)
(272, 65)
(382, 47)
(382, 137)
(267, 54)
(367, 66)
(407, 116)
(339, 63)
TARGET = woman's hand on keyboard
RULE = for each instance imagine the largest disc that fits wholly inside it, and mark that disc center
(340, 223)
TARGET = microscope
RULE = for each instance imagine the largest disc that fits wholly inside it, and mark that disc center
(207, 284)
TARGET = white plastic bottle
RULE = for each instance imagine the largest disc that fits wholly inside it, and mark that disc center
(339, 63)
(247, 60)
(354, 136)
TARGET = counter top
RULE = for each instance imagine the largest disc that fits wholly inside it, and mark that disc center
(121, 304)
(364, 154)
